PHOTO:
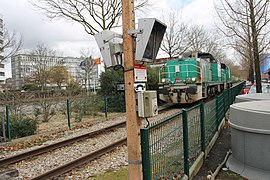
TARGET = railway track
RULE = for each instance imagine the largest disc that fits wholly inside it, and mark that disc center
(165, 107)
(80, 161)
(47, 148)
(72, 164)
(77, 162)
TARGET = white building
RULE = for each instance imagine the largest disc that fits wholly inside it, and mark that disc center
(2, 73)
(2, 66)
(23, 66)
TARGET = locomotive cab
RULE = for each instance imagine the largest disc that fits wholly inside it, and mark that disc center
(191, 79)
(180, 80)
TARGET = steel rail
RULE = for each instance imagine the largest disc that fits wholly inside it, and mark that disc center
(165, 107)
(47, 148)
(80, 161)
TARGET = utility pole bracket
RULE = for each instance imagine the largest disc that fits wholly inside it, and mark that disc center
(115, 35)
(134, 32)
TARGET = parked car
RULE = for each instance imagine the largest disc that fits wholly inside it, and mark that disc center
(246, 88)
(265, 88)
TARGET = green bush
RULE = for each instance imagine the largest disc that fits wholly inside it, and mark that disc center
(21, 126)
(108, 82)
(116, 103)
(78, 117)
(31, 87)
(93, 105)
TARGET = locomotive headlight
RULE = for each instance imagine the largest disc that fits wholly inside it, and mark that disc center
(193, 79)
(163, 80)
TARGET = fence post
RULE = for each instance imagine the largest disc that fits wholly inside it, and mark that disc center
(185, 143)
(224, 105)
(106, 107)
(217, 115)
(68, 112)
(228, 100)
(231, 96)
(8, 124)
(146, 164)
(123, 109)
(119, 108)
(3, 126)
(202, 128)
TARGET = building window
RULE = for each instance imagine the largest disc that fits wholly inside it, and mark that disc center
(2, 74)
(2, 66)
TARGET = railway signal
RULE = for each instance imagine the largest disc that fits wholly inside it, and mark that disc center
(151, 32)
(148, 37)
(111, 47)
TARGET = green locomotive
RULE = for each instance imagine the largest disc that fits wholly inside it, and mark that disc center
(194, 78)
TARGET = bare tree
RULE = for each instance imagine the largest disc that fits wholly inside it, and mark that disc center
(202, 40)
(247, 20)
(93, 15)
(41, 59)
(12, 43)
(88, 66)
(243, 48)
(175, 41)
(58, 75)
(181, 37)
(198, 37)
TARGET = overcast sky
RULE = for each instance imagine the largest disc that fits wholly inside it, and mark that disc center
(69, 38)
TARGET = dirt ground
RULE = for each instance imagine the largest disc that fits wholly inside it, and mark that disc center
(216, 157)
(59, 124)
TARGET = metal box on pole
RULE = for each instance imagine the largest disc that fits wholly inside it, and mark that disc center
(147, 103)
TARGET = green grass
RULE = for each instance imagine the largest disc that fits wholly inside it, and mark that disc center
(121, 174)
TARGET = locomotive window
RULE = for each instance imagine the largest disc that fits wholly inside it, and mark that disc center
(177, 69)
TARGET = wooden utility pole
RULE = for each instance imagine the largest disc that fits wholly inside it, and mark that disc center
(132, 121)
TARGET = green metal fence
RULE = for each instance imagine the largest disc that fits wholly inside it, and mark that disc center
(209, 120)
(30, 115)
(162, 148)
(192, 123)
(171, 146)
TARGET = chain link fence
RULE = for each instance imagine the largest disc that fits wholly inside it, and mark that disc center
(171, 146)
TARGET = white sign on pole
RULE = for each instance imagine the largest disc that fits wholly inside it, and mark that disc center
(140, 73)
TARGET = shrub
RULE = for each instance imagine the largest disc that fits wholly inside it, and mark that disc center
(78, 117)
(37, 112)
(31, 87)
(116, 103)
(21, 126)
